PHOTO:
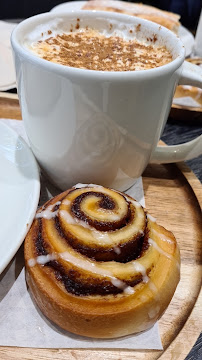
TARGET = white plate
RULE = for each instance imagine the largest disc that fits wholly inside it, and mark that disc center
(7, 70)
(19, 192)
(187, 39)
(185, 35)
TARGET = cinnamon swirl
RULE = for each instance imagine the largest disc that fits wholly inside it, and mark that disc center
(98, 265)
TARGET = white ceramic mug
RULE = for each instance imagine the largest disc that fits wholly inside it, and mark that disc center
(96, 126)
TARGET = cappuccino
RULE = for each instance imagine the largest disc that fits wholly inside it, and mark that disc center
(87, 48)
(97, 126)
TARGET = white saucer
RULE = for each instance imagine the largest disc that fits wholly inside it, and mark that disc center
(184, 34)
(19, 192)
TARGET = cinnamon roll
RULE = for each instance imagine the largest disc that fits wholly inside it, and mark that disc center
(98, 265)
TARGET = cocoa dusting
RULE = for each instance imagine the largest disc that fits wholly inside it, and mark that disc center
(88, 49)
(153, 39)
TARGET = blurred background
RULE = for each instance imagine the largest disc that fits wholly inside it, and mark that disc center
(20, 9)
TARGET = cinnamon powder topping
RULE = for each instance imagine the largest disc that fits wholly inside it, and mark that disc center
(88, 49)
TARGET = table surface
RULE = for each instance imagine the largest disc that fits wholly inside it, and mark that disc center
(177, 132)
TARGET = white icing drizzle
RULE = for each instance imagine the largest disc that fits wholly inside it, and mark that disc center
(70, 220)
(113, 217)
(152, 287)
(95, 185)
(154, 311)
(48, 213)
(118, 283)
(151, 218)
(154, 290)
(32, 262)
(42, 259)
(117, 250)
(143, 298)
(101, 236)
(91, 267)
(80, 185)
(154, 244)
(122, 285)
(135, 203)
(129, 290)
(82, 264)
(140, 268)
(66, 202)
(98, 235)
(163, 237)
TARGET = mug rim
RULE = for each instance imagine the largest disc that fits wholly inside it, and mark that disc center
(64, 69)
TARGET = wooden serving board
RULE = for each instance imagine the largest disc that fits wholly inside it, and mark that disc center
(173, 195)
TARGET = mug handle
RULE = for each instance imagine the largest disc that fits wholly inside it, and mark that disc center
(191, 75)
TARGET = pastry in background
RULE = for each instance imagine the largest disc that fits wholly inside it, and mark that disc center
(189, 96)
(164, 18)
(98, 265)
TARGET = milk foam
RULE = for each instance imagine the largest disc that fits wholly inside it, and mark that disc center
(55, 26)
(112, 27)
(57, 39)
